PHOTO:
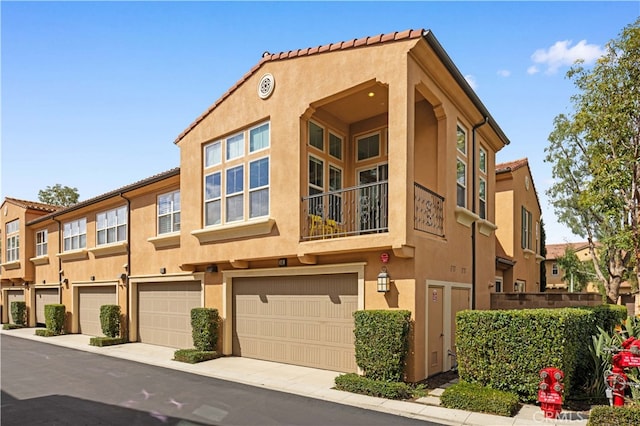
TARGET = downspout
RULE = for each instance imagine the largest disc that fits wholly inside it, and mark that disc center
(474, 208)
(126, 281)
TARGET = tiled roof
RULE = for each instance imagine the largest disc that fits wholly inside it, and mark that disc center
(33, 205)
(116, 192)
(555, 251)
(271, 57)
(511, 166)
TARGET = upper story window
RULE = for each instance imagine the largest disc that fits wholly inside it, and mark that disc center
(461, 167)
(111, 226)
(75, 235)
(238, 201)
(13, 241)
(169, 212)
(41, 242)
(316, 136)
(482, 184)
(526, 228)
(368, 146)
(482, 161)
(554, 269)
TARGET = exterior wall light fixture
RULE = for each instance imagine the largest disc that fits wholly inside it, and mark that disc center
(383, 280)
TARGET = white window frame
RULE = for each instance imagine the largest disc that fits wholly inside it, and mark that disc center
(230, 146)
(555, 271)
(339, 138)
(461, 161)
(482, 161)
(13, 241)
(260, 188)
(321, 127)
(114, 232)
(74, 231)
(232, 193)
(367, 136)
(215, 148)
(42, 237)
(499, 285)
(482, 205)
(172, 213)
(520, 286)
(219, 203)
(525, 228)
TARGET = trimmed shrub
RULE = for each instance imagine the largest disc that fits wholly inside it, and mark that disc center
(608, 316)
(54, 318)
(110, 320)
(604, 415)
(382, 343)
(351, 382)
(45, 332)
(474, 397)
(204, 328)
(193, 356)
(19, 312)
(106, 341)
(506, 350)
(11, 326)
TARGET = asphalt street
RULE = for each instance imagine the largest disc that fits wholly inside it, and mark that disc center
(44, 384)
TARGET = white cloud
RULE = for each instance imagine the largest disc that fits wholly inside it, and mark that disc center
(472, 81)
(562, 53)
(504, 73)
(533, 70)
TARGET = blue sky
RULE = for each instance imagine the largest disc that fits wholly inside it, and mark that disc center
(93, 94)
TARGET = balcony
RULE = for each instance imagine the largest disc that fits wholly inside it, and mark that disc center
(364, 209)
(358, 210)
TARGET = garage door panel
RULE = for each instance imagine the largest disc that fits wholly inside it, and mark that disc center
(164, 313)
(45, 296)
(299, 320)
(90, 299)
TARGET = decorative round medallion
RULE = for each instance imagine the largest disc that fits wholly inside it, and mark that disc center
(526, 182)
(266, 86)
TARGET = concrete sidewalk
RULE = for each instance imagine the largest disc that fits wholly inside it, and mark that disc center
(309, 382)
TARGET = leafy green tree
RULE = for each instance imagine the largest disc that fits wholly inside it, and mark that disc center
(58, 195)
(596, 159)
(577, 273)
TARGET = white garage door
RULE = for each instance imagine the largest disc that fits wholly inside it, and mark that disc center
(91, 298)
(13, 296)
(45, 296)
(305, 320)
(164, 313)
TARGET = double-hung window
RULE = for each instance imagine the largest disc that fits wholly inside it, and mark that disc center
(75, 235)
(13, 241)
(169, 212)
(482, 184)
(111, 226)
(526, 228)
(236, 181)
(41, 243)
(461, 167)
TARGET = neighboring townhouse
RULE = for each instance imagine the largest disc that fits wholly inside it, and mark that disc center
(555, 273)
(22, 248)
(354, 175)
(518, 216)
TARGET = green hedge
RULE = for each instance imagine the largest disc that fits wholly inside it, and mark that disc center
(608, 316)
(45, 332)
(193, 356)
(54, 315)
(19, 312)
(110, 320)
(351, 382)
(506, 350)
(382, 343)
(614, 416)
(11, 326)
(204, 328)
(474, 397)
(106, 341)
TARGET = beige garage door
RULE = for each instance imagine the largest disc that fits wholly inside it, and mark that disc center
(45, 296)
(164, 313)
(13, 296)
(306, 320)
(91, 298)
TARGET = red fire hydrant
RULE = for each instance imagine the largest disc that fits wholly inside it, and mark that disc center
(550, 392)
(616, 379)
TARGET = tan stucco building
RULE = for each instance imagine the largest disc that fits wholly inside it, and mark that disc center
(318, 171)
(518, 216)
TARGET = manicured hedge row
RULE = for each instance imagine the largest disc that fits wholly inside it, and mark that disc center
(382, 343)
(506, 350)
(193, 356)
(474, 397)
(106, 341)
(110, 320)
(603, 415)
(204, 328)
(19, 312)
(351, 382)
(54, 317)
